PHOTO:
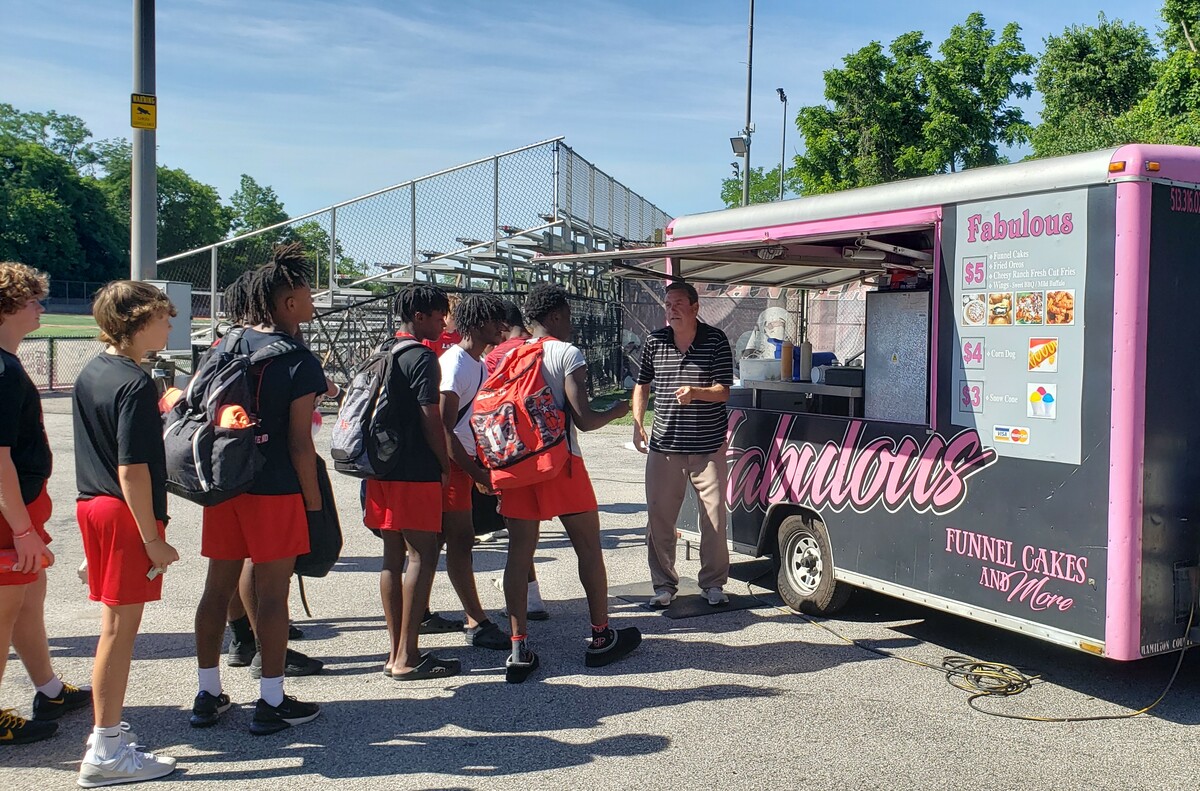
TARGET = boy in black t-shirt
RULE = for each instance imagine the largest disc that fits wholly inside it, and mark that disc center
(24, 510)
(270, 523)
(405, 505)
(121, 472)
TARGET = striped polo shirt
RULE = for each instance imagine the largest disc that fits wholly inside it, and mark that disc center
(698, 427)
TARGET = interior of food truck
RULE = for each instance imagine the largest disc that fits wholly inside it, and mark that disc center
(888, 378)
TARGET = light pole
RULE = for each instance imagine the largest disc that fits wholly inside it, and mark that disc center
(143, 225)
(783, 145)
(749, 126)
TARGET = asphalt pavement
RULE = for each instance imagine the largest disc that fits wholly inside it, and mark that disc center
(749, 699)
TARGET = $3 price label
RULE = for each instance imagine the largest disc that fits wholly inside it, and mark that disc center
(970, 396)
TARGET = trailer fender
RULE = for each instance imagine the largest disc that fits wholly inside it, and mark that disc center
(768, 534)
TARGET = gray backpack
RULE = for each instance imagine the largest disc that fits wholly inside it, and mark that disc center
(366, 443)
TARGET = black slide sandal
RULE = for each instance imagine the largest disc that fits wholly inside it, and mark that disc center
(430, 667)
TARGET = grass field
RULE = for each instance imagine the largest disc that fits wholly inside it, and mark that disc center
(65, 325)
(70, 325)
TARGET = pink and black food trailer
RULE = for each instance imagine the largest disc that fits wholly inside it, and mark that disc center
(1020, 444)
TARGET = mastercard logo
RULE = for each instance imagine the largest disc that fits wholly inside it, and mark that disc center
(1019, 436)
(1012, 434)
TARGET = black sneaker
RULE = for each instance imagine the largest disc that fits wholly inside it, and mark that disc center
(488, 635)
(434, 623)
(241, 654)
(517, 671)
(18, 730)
(71, 698)
(295, 664)
(295, 632)
(612, 645)
(273, 719)
(208, 708)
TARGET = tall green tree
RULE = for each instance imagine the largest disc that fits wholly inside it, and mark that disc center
(1090, 76)
(871, 129)
(54, 219)
(255, 206)
(902, 112)
(971, 93)
(65, 135)
(190, 213)
(764, 187)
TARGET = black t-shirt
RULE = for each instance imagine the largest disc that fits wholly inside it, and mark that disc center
(279, 381)
(21, 427)
(416, 380)
(117, 423)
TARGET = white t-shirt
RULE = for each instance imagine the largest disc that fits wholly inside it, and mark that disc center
(560, 360)
(462, 375)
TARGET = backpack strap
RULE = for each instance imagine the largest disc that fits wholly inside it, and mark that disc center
(276, 349)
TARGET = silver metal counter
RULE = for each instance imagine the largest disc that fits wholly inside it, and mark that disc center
(757, 386)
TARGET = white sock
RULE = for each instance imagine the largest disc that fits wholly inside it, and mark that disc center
(535, 598)
(210, 680)
(106, 742)
(52, 688)
(271, 690)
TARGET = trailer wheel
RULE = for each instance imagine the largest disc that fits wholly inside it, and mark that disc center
(806, 580)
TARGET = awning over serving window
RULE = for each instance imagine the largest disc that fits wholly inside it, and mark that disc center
(814, 261)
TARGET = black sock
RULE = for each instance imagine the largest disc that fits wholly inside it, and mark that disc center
(602, 636)
(241, 630)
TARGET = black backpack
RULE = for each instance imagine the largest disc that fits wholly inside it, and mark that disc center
(365, 442)
(325, 537)
(206, 463)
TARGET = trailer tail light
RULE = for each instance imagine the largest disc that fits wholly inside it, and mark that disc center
(1153, 167)
(1116, 167)
(1092, 648)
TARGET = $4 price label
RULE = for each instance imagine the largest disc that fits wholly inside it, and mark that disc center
(972, 353)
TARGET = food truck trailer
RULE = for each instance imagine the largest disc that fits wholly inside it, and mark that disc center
(1019, 445)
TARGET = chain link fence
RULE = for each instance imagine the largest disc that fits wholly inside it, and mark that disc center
(475, 227)
(54, 363)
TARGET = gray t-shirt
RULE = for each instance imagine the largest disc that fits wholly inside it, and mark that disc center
(560, 360)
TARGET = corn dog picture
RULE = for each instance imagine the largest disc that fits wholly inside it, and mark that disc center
(1043, 354)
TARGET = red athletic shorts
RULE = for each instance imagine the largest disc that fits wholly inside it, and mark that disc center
(569, 492)
(116, 555)
(404, 505)
(39, 514)
(262, 527)
(457, 496)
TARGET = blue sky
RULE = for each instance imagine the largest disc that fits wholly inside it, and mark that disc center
(326, 100)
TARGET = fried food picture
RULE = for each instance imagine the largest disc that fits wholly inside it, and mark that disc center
(1000, 308)
(974, 311)
(1030, 307)
(1060, 307)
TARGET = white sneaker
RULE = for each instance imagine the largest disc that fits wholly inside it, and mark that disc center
(127, 766)
(486, 538)
(662, 598)
(127, 735)
(716, 596)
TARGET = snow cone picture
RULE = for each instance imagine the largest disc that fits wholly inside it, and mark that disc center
(1042, 401)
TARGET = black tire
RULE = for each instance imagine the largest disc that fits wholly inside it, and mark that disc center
(805, 568)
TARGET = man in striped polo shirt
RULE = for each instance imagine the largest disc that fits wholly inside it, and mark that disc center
(692, 367)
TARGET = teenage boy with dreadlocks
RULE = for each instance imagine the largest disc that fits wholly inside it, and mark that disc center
(243, 648)
(405, 505)
(270, 523)
(479, 318)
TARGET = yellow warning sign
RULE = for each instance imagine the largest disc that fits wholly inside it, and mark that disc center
(143, 111)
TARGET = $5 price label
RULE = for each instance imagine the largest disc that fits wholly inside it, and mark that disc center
(974, 273)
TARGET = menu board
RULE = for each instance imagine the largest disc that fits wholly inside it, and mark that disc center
(1018, 302)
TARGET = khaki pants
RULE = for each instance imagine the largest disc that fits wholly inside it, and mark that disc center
(667, 475)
